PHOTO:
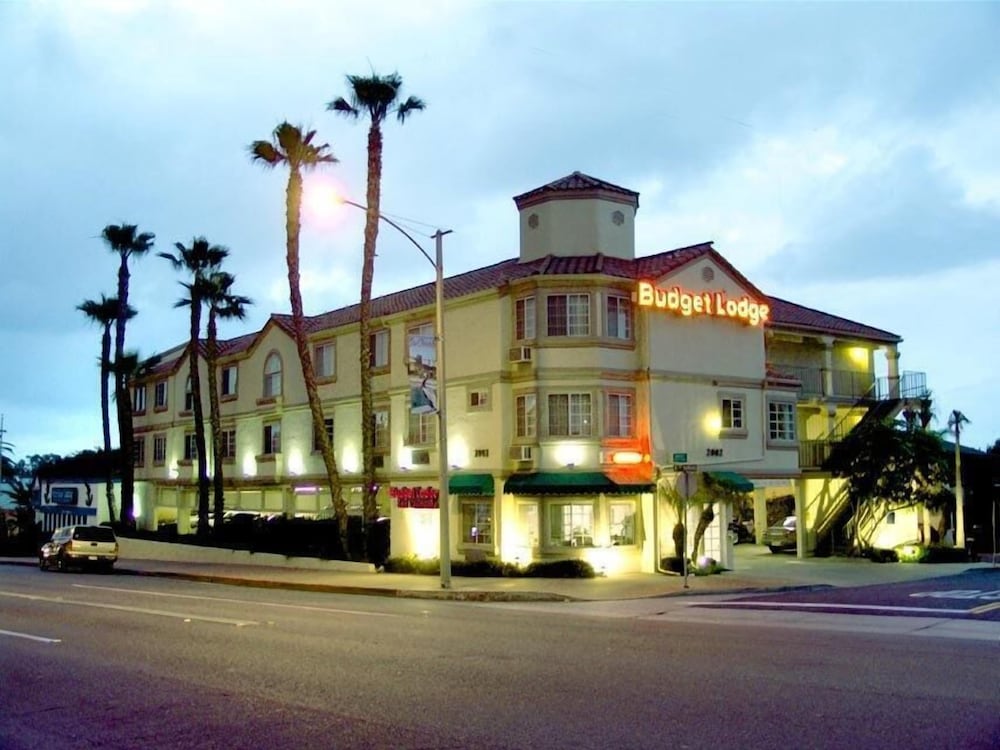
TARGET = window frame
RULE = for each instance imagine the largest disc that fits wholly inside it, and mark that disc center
(328, 424)
(228, 444)
(421, 429)
(139, 399)
(374, 337)
(188, 396)
(568, 324)
(272, 377)
(271, 438)
(781, 430)
(161, 396)
(525, 318)
(737, 422)
(629, 432)
(381, 436)
(190, 447)
(623, 305)
(138, 451)
(584, 419)
(526, 423)
(228, 386)
(319, 349)
(584, 538)
(159, 449)
(477, 504)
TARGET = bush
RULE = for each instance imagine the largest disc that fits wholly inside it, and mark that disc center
(883, 555)
(560, 569)
(672, 564)
(911, 553)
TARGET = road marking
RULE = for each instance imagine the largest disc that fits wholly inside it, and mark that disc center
(136, 610)
(819, 605)
(306, 607)
(41, 639)
(985, 608)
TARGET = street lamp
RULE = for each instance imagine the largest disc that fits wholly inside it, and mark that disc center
(443, 509)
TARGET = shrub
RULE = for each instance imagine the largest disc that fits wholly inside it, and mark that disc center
(672, 564)
(883, 555)
(911, 553)
(560, 569)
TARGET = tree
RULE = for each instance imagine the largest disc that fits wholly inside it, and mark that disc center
(290, 146)
(887, 466)
(222, 305)
(710, 492)
(104, 312)
(200, 260)
(127, 242)
(378, 97)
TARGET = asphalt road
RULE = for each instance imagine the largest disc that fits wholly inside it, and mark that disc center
(118, 662)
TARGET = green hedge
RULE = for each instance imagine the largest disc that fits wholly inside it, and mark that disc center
(492, 568)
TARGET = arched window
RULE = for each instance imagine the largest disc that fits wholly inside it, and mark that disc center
(272, 375)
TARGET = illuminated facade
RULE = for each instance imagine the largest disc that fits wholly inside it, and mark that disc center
(581, 379)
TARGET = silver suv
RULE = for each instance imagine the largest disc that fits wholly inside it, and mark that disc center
(95, 546)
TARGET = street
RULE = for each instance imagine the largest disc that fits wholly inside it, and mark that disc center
(119, 662)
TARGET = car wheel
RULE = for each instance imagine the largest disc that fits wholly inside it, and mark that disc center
(41, 564)
(733, 536)
(774, 550)
(61, 565)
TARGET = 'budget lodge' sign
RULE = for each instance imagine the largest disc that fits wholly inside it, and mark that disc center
(715, 304)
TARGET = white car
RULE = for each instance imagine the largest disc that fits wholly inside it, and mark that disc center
(82, 546)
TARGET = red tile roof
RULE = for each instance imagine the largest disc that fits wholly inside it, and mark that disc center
(784, 314)
(577, 185)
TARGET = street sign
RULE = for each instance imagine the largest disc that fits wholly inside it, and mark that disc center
(680, 458)
(684, 467)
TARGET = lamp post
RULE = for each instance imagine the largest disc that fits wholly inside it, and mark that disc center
(443, 505)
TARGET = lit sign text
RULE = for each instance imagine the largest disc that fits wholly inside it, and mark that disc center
(414, 497)
(716, 304)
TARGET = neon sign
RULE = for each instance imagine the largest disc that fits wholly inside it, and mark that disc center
(414, 497)
(714, 304)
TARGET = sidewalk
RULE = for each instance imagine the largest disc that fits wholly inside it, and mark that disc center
(757, 570)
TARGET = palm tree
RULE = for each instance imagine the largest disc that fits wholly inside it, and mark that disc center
(200, 260)
(224, 305)
(105, 312)
(291, 146)
(127, 242)
(377, 96)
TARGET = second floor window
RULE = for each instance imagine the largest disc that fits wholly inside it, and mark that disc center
(272, 438)
(619, 415)
(159, 449)
(188, 395)
(421, 429)
(568, 314)
(272, 375)
(619, 317)
(380, 431)
(160, 395)
(190, 447)
(228, 443)
(732, 413)
(379, 342)
(227, 381)
(325, 360)
(569, 414)
(328, 428)
(780, 420)
(524, 318)
(139, 399)
(139, 451)
(526, 415)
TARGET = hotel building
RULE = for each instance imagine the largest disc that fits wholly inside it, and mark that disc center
(587, 386)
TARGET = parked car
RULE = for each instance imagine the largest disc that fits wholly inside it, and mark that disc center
(782, 536)
(83, 546)
(740, 532)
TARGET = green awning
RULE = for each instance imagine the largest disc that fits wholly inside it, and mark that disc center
(571, 483)
(732, 480)
(471, 484)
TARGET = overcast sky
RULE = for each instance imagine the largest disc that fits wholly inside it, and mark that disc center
(844, 157)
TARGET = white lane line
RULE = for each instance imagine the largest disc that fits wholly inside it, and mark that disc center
(817, 605)
(15, 634)
(136, 610)
(306, 607)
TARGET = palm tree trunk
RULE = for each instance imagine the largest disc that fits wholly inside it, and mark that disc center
(215, 420)
(367, 274)
(123, 402)
(109, 485)
(199, 415)
(293, 201)
(707, 516)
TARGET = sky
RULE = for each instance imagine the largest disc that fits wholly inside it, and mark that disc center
(845, 157)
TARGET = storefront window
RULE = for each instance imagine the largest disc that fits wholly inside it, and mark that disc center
(477, 522)
(571, 525)
(527, 522)
(621, 517)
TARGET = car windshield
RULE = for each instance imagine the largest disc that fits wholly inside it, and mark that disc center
(94, 534)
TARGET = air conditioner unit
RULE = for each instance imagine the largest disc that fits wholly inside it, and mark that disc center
(522, 452)
(519, 354)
